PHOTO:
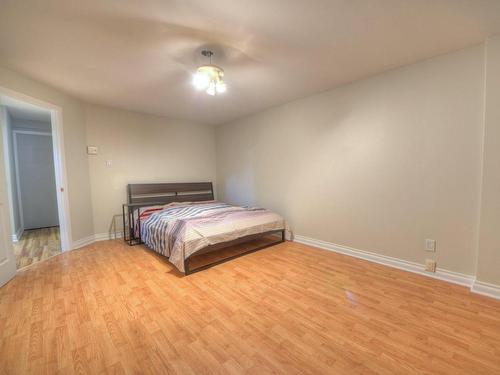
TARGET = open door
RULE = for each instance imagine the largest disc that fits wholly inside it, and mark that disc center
(7, 259)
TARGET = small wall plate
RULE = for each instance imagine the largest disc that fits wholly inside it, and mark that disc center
(91, 150)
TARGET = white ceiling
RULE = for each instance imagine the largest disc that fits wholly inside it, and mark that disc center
(20, 110)
(140, 55)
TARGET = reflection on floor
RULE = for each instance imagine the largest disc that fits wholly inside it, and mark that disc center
(36, 245)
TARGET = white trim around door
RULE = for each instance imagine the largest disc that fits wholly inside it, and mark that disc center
(59, 161)
(61, 179)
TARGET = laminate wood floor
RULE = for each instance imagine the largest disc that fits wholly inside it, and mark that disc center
(36, 245)
(290, 309)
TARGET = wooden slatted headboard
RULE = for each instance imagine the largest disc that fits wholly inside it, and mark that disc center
(163, 193)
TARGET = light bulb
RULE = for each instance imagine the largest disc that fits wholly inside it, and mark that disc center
(220, 87)
(201, 80)
(211, 88)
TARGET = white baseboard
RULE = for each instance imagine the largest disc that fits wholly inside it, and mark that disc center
(486, 289)
(93, 238)
(441, 274)
(107, 236)
(82, 242)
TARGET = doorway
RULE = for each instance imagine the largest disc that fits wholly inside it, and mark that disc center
(36, 230)
(33, 163)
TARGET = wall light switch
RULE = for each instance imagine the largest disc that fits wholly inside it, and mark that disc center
(430, 245)
(109, 163)
(91, 150)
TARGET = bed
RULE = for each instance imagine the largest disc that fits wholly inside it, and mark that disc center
(182, 220)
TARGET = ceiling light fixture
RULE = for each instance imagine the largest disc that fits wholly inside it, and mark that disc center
(209, 77)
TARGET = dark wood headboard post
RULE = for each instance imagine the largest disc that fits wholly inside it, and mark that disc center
(129, 194)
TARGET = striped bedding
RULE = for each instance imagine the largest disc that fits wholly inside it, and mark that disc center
(179, 230)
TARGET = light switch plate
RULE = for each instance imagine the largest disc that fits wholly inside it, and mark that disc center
(430, 245)
(91, 150)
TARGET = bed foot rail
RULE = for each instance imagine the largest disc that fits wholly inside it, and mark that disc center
(189, 271)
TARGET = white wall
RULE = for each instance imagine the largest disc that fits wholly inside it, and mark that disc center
(142, 148)
(378, 165)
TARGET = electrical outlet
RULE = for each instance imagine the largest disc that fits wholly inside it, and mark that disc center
(109, 163)
(430, 245)
(430, 265)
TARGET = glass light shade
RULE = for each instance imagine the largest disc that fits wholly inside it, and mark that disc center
(211, 88)
(201, 80)
(220, 87)
(209, 79)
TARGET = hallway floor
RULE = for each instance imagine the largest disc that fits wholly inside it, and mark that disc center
(36, 245)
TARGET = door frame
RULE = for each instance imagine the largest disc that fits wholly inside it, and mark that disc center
(56, 119)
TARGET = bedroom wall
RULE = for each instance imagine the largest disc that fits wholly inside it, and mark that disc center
(378, 165)
(78, 188)
(142, 148)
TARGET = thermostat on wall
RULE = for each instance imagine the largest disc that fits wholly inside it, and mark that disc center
(91, 150)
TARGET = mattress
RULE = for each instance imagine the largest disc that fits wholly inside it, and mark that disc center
(179, 230)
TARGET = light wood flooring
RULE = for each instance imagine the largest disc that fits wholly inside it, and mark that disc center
(36, 245)
(290, 309)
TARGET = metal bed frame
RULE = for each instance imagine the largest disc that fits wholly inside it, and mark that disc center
(144, 195)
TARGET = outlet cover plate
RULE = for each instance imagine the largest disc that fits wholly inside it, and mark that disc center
(430, 265)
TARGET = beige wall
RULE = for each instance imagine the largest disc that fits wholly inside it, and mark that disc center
(488, 265)
(379, 165)
(78, 188)
(142, 148)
